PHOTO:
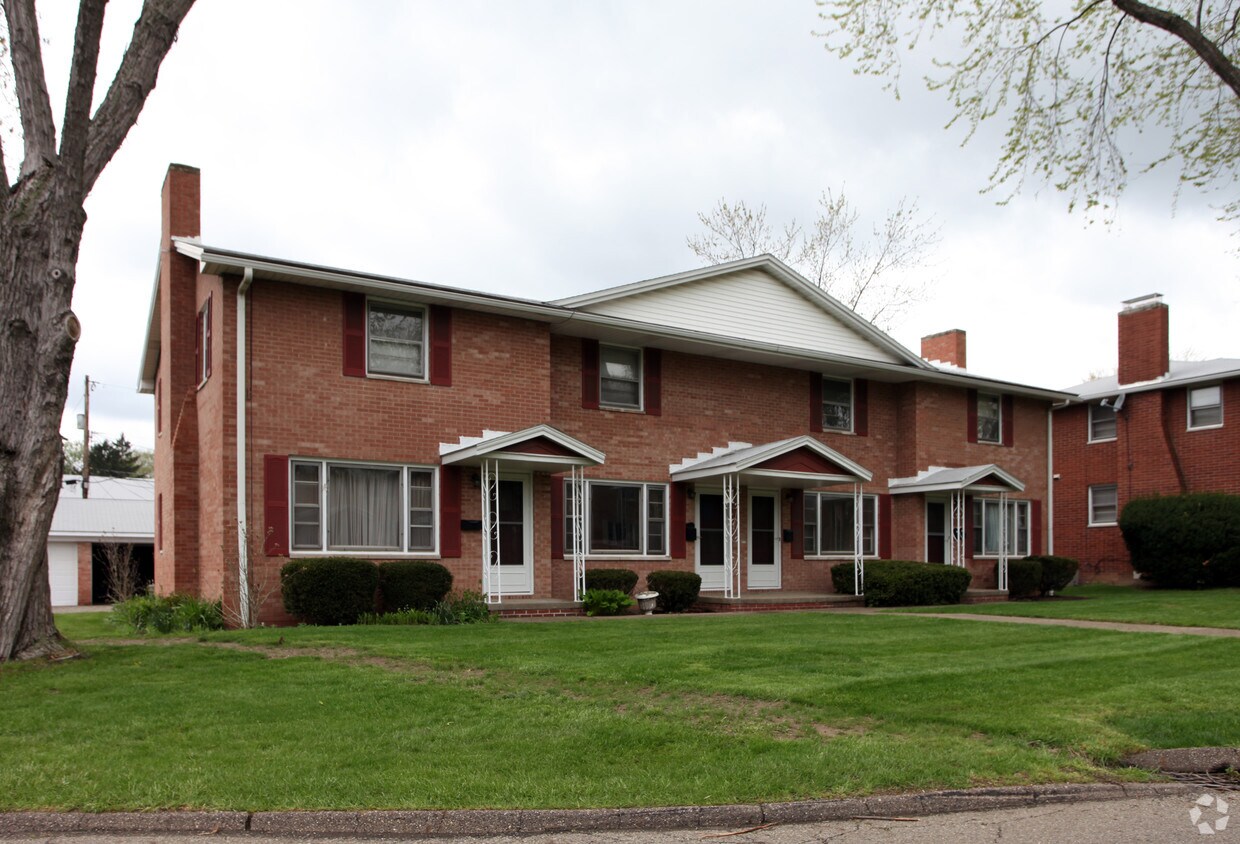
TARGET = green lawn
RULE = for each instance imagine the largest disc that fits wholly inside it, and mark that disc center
(1135, 604)
(623, 712)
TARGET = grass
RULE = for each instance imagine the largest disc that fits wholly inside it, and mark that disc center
(625, 712)
(1133, 604)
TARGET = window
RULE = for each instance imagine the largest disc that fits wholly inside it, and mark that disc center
(1102, 424)
(620, 377)
(988, 528)
(989, 418)
(1104, 504)
(395, 340)
(202, 344)
(1205, 407)
(837, 405)
(363, 507)
(620, 518)
(828, 524)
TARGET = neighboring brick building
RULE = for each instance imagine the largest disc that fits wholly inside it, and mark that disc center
(1159, 427)
(726, 420)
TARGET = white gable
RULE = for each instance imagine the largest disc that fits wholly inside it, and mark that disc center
(747, 304)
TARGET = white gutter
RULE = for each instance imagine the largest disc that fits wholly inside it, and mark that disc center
(243, 551)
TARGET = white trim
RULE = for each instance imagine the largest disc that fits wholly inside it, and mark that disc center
(397, 304)
(852, 405)
(640, 407)
(978, 414)
(718, 571)
(644, 528)
(1089, 426)
(1006, 505)
(1089, 512)
(1188, 404)
(842, 555)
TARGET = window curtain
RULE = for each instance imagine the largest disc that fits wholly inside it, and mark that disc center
(363, 508)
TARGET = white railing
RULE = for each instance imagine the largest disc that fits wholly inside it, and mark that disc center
(492, 572)
(731, 536)
(858, 541)
(576, 520)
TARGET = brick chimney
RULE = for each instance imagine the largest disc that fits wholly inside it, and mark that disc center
(1143, 339)
(945, 347)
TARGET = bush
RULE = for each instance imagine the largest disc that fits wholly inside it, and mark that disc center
(606, 601)
(1057, 572)
(413, 584)
(398, 618)
(1172, 539)
(464, 608)
(622, 580)
(329, 590)
(678, 590)
(900, 583)
(1024, 578)
(175, 613)
(1224, 568)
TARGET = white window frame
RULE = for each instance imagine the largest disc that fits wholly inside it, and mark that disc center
(1218, 404)
(1014, 507)
(204, 341)
(426, 344)
(867, 499)
(404, 468)
(1093, 522)
(1090, 431)
(645, 519)
(998, 440)
(852, 405)
(641, 377)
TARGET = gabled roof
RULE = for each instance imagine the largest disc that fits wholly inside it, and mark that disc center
(1184, 373)
(753, 460)
(987, 478)
(118, 509)
(540, 448)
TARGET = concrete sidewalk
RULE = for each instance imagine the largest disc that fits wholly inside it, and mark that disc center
(1124, 627)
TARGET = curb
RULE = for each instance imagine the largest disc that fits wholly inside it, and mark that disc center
(536, 821)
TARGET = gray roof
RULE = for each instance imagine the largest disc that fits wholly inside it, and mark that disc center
(1183, 373)
(985, 478)
(117, 509)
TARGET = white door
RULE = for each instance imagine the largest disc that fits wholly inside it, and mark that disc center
(709, 546)
(513, 542)
(764, 545)
(62, 573)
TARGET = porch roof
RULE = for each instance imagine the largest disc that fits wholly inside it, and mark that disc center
(984, 479)
(797, 462)
(540, 448)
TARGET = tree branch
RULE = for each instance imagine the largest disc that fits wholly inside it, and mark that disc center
(153, 36)
(1175, 25)
(81, 91)
(38, 129)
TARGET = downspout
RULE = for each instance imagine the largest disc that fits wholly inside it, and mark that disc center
(243, 550)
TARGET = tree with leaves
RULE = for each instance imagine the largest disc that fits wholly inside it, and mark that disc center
(868, 275)
(1077, 83)
(42, 214)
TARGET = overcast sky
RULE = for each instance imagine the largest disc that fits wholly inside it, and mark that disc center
(543, 149)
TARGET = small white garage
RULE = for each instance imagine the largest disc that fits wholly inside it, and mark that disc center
(115, 511)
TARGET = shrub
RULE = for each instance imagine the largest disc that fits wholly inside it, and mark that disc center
(606, 601)
(1024, 577)
(329, 590)
(623, 580)
(413, 584)
(175, 613)
(464, 608)
(1224, 568)
(900, 583)
(678, 590)
(1057, 572)
(400, 617)
(1172, 539)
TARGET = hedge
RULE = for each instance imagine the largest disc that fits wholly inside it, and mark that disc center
(1024, 578)
(678, 590)
(413, 584)
(900, 583)
(1173, 539)
(622, 580)
(1057, 572)
(329, 590)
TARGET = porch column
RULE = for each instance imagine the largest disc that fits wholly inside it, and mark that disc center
(955, 535)
(731, 536)
(576, 518)
(492, 572)
(1003, 542)
(858, 541)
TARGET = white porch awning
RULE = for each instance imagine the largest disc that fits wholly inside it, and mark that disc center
(540, 448)
(794, 463)
(981, 480)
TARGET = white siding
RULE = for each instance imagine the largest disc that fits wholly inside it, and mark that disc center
(751, 305)
(62, 573)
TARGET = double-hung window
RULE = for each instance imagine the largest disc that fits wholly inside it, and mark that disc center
(988, 528)
(1103, 504)
(395, 340)
(989, 418)
(620, 377)
(363, 507)
(829, 525)
(621, 518)
(1102, 423)
(837, 404)
(1205, 407)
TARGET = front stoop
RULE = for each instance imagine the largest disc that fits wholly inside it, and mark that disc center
(537, 608)
(777, 601)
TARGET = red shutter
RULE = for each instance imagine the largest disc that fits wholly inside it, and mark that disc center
(1009, 420)
(815, 402)
(884, 526)
(354, 335)
(968, 525)
(449, 511)
(861, 407)
(441, 345)
(589, 374)
(1035, 527)
(971, 416)
(652, 363)
(159, 521)
(798, 524)
(275, 504)
(676, 522)
(557, 518)
(207, 342)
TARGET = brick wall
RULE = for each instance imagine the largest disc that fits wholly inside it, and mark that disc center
(1143, 343)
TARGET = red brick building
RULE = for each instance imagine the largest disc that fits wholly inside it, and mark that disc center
(1158, 427)
(727, 420)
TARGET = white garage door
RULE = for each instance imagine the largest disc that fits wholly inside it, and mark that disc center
(62, 571)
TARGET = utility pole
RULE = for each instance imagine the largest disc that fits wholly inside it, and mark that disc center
(86, 445)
